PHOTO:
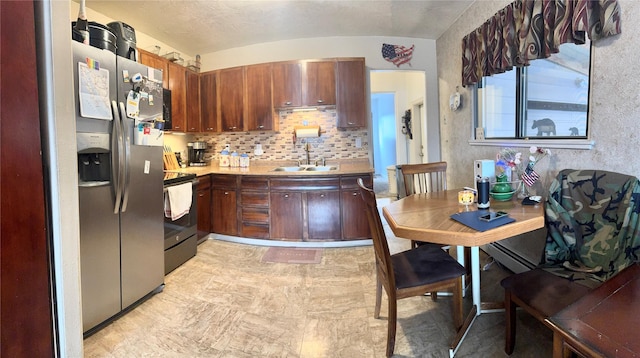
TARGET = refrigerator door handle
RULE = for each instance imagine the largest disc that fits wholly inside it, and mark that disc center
(126, 139)
(117, 157)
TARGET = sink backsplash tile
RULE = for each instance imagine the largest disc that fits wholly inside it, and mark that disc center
(332, 144)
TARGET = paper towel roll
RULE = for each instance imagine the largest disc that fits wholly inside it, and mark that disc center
(307, 131)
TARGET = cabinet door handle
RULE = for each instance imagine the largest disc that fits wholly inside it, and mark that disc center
(320, 101)
(322, 195)
(260, 127)
(232, 128)
(226, 193)
(287, 103)
(286, 195)
(201, 195)
(350, 123)
(355, 193)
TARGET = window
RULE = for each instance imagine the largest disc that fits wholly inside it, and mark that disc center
(546, 100)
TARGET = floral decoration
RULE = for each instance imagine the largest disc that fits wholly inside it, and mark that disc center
(536, 153)
(508, 158)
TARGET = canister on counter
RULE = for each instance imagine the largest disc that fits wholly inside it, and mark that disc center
(235, 160)
(244, 160)
(224, 158)
(483, 193)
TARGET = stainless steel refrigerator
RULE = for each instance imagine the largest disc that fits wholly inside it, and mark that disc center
(120, 178)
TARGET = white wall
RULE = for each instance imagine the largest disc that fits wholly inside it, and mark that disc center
(614, 108)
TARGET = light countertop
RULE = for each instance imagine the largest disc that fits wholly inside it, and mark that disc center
(345, 167)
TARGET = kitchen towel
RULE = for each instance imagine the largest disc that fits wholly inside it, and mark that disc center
(177, 201)
(472, 220)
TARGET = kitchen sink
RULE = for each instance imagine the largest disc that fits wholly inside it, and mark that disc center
(306, 168)
(322, 168)
(289, 169)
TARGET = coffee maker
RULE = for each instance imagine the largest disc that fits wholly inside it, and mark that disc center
(197, 153)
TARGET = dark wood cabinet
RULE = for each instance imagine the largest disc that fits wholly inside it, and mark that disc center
(204, 206)
(178, 87)
(287, 85)
(224, 213)
(286, 215)
(305, 209)
(323, 215)
(354, 220)
(254, 200)
(260, 115)
(209, 101)
(155, 61)
(231, 99)
(351, 106)
(193, 101)
(319, 83)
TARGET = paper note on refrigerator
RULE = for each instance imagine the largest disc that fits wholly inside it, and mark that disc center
(93, 92)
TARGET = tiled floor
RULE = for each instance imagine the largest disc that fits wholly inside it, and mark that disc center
(226, 303)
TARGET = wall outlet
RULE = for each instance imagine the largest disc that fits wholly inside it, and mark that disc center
(358, 142)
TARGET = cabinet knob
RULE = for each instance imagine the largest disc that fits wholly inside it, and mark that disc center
(320, 101)
(201, 195)
(288, 103)
(226, 193)
(210, 129)
(260, 127)
(322, 195)
(354, 193)
(350, 123)
(232, 128)
(286, 195)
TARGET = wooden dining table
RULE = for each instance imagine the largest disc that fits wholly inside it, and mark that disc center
(427, 217)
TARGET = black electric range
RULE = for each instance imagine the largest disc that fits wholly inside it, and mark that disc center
(171, 178)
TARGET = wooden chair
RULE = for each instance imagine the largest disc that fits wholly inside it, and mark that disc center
(423, 178)
(593, 225)
(410, 273)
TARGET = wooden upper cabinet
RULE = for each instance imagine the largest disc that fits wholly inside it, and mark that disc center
(155, 61)
(193, 101)
(351, 97)
(209, 101)
(259, 102)
(287, 85)
(319, 83)
(231, 99)
(178, 87)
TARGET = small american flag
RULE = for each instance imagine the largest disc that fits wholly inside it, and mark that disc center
(530, 176)
(398, 55)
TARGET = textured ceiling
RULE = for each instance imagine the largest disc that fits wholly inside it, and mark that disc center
(199, 27)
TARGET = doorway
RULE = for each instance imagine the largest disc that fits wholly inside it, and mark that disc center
(384, 131)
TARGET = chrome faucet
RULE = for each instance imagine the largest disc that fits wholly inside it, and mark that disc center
(321, 160)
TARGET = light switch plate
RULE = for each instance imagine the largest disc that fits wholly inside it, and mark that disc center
(479, 133)
(358, 142)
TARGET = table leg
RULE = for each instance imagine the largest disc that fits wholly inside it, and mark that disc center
(461, 261)
(475, 278)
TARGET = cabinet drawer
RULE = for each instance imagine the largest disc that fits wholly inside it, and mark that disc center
(224, 181)
(255, 199)
(204, 182)
(255, 215)
(255, 183)
(306, 184)
(351, 182)
(256, 231)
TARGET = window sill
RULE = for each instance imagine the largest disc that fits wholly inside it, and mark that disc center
(585, 144)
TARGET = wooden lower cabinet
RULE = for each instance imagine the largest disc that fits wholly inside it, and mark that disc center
(254, 200)
(355, 225)
(204, 206)
(323, 215)
(224, 208)
(289, 208)
(286, 215)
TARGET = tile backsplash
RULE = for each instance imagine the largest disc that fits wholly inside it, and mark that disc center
(332, 143)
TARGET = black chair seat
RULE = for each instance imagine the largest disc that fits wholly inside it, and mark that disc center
(424, 265)
(544, 291)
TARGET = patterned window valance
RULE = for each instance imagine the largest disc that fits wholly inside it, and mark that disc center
(530, 29)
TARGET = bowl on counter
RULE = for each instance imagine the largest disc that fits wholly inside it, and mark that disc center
(502, 196)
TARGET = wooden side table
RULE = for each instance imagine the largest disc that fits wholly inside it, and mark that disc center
(604, 323)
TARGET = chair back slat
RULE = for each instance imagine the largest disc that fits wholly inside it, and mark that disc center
(424, 177)
(380, 245)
